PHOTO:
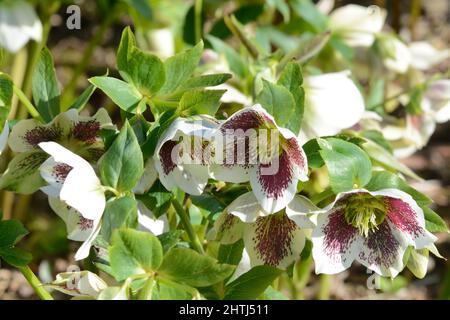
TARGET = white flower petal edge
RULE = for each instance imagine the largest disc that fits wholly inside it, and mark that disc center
(4, 137)
(148, 178)
(149, 222)
(18, 24)
(332, 103)
(336, 244)
(81, 189)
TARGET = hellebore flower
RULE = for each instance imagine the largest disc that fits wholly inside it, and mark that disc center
(332, 103)
(18, 24)
(373, 228)
(357, 25)
(395, 55)
(73, 180)
(436, 100)
(270, 239)
(249, 146)
(77, 133)
(79, 284)
(4, 137)
(180, 156)
(424, 56)
(78, 227)
(149, 222)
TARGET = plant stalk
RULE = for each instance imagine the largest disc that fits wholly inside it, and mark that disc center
(35, 283)
(198, 7)
(184, 217)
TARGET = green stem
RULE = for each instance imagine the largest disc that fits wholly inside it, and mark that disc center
(86, 59)
(232, 24)
(198, 20)
(302, 276)
(414, 17)
(184, 217)
(35, 283)
(146, 292)
(27, 103)
(324, 288)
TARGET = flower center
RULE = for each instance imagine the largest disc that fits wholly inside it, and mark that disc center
(365, 212)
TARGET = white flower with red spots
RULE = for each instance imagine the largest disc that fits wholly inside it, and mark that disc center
(249, 146)
(77, 133)
(180, 157)
(373, 228)
(73, 180)
(270, 239)
(19, 23)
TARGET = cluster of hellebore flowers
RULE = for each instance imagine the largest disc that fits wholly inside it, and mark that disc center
(279, 212)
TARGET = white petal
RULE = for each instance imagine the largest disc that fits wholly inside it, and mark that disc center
(401, 56)
(332, 103)
(335, 244)
(243, 266)
(357, 24)
(232, 95)
(148, 221)
(18, 24)
(83, 251)
(425, 56)
(246, 207)
(229, 228)
(82, 189)
(325, 6)
(148, 178)
(162, 42)
(273, 240)
(4, 137)
(233, 173)
(300, 209)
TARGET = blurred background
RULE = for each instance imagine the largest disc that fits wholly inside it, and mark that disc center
(90, 50)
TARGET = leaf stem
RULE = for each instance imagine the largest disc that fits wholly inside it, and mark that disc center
(198, 7)
(27, 103)
(324, 287)
(35, 283)
(184, 217)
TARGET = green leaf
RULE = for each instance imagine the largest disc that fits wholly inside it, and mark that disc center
(348, 165)
(278, 101)
(45, 88)
(157, 199)
(180, 67)
(433, 222)
(187, 266)
(231, 253)
(169, 239)
(198, 101)
(251, 284)
(142, 7)
(6, 90)
(272, 294)
(309, 12)
(167, 291)
(282, 7)
(207, 80)
(119, 213)
(120, 92)
(244, 14)
(15, 256)
(142, 69)
(134, 252)
(312, 151)
(291, 78)
(386, 159)
(122, 165)
(11, 231)
(234, 59)
(83, 99)
(386, 180)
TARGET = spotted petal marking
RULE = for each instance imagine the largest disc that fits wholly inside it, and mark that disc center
(274, 240)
